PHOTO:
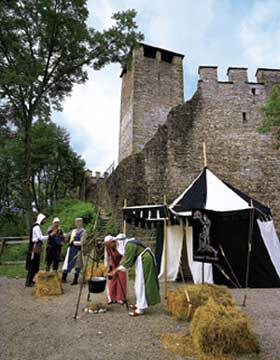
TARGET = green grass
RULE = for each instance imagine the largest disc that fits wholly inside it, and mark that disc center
(69, 209)
(13, 271)
(14, 252)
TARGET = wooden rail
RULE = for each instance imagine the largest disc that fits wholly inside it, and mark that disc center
(11, 240)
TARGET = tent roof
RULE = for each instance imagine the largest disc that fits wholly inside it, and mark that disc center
(209, 192)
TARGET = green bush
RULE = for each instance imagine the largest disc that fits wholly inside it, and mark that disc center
(69, 209)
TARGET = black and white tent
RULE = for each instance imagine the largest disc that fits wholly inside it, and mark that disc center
(233, 215)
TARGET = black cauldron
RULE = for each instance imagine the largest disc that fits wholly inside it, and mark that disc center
(97, 284)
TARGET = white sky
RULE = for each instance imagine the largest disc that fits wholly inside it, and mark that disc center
(209, 32)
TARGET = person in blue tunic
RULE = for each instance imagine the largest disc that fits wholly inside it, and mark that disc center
(73, 257)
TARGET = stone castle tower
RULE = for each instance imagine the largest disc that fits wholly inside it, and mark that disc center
(150, 88)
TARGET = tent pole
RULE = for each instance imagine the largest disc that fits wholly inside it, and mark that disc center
(124, 221)
(250, 237)
(204, 154)
(165, 248)
(203, 272)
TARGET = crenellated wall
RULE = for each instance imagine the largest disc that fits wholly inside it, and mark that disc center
(223, 114)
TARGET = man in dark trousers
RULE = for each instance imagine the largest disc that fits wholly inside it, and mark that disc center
(54, 245)
(34, 250)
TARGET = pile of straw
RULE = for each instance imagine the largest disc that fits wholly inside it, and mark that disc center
(47, 284)
(218, 330)
(95, 270)
(183, 302)
(179, 344)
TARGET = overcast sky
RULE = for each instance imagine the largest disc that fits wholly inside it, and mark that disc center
(224, 33)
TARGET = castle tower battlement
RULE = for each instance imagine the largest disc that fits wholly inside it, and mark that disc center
(150, 88)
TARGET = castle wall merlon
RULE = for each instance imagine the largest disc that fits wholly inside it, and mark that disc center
(237, 74)
(208, 73)
(268, 77)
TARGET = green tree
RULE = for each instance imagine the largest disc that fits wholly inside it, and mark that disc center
(271, 113)
(56, 170)
(45, 48)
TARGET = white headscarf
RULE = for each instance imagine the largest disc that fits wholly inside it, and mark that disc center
(40, 218)
(108, 238)
(121, 242)
(56, 219)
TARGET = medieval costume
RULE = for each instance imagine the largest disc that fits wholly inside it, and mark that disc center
(73, 257)
(116, 287)
(54, 245)
(34, 250)
(146, 281)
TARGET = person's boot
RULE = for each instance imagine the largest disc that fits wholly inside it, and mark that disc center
(64, 277)
(75, 281)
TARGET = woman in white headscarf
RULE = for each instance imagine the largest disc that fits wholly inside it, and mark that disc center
(116, 290)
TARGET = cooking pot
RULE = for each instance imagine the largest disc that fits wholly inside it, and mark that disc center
(97, 284)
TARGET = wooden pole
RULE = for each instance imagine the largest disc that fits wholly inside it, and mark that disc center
(204, 154)
(250, 239)
(127, 272)
(165, 242)
(124, 221)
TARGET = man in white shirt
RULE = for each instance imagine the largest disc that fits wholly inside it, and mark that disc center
(34, 250)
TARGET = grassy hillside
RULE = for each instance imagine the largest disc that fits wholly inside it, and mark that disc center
(67, 210)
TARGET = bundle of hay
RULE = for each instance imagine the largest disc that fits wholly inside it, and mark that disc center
(95, 270)
(177, 343)
(218, 330)
(183, 302)
(47, 284)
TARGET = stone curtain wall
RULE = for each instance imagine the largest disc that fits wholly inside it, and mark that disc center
(223, 114)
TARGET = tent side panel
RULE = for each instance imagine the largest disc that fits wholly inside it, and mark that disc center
(262, 271)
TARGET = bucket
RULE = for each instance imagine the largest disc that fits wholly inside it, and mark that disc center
(97, 284)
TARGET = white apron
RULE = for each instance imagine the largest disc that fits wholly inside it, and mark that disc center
(140, 292)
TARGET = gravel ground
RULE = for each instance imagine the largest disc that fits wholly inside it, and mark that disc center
(44, 329)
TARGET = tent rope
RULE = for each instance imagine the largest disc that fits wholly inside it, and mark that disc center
(230, 267)
(225, 274)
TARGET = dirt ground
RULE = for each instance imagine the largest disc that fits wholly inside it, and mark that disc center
(44, 328)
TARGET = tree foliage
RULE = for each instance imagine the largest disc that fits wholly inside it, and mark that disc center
(56, 169)
(46, 46)
(271, 113)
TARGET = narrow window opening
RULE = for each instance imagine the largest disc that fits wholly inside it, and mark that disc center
(253, 91)
(244, 117)
(158, 76)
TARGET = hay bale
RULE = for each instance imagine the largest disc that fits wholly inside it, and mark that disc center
(95, 270)
(218, 330)
(47, 284)
(178, 305)
(177, 343)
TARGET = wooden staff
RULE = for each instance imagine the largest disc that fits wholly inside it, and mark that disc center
(204, 154)
(165, 242)
(124, 221)
(127, 272)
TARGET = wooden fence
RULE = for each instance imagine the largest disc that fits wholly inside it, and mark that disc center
(8, 241)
